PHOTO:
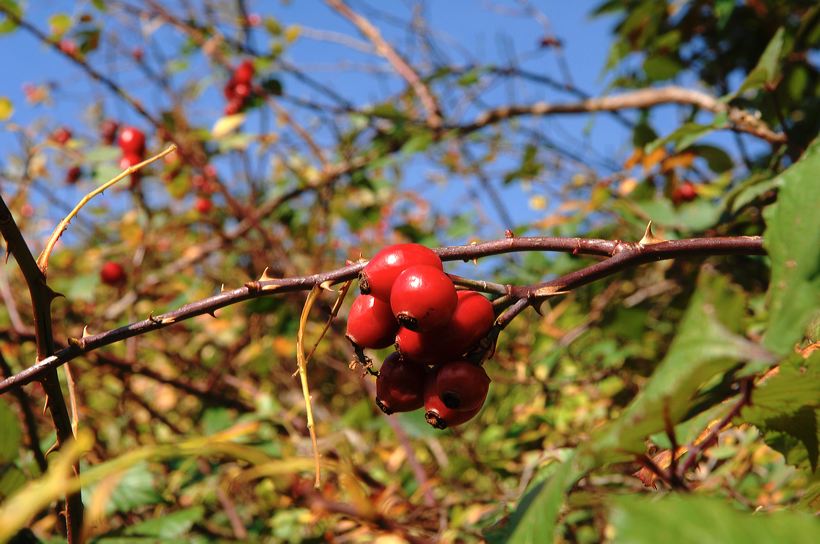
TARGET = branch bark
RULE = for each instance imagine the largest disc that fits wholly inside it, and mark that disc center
(621, 255)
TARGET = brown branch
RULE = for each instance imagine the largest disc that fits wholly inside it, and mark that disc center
(434, 118)
(41, 298)
(742, 121)
(625, 254)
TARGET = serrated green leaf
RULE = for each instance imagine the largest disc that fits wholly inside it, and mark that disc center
(705, 346)
(135, 488)
(10, 434)
(173, 525)
(792, 240)
(697, 519)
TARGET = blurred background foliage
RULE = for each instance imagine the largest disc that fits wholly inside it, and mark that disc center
(197, 432)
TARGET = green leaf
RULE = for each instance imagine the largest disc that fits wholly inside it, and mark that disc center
(792, 240)
(533, 520)
(718, 160)
(136, 488)
(786, 408)
(59, 24)
(697, 519)
(658, 68)
(7, 24)
(173, 525)
(767, 69)
(682, 137)
(11, 479)
(705, 347)
(10, 434)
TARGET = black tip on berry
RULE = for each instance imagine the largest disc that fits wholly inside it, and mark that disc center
(364, 284)
(451, 400)
(383, 407)
(408, 322)
(434, 419)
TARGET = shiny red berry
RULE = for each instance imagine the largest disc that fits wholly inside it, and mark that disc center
(400, 385)
(423, 298)
(108, 131)
(130, 159)
(378, 276)
(234, 106)
(455, 393)
(132, 140)
(370, 323)
(112, 273)
(244, 72)
(242, 90)
(471, 321)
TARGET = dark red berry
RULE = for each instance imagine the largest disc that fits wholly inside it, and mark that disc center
(370, 323)
(423, 298)
(234, 106)
(108, 131)
(130, 159)
(230, 89)
(242, 90)
(61, 136)
(132, 140)
(685, 192)
(400, 385)
(378, 276)
(244, 72)
(68, 46)
(73, 175)
(112, 273)
(455, 393)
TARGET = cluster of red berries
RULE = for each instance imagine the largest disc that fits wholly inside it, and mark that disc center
(239, 88)
(132, 144)
(409, 301)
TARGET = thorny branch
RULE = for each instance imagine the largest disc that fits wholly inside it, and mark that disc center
(620, 255)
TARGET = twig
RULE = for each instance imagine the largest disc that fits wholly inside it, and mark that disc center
(42, 260)
(41, 298)
(434, 118)
(625, 255)
(742, 120)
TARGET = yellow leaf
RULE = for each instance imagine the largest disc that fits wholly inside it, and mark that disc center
(653, 158)
(228, 124)
(6, 108)
(292, 33)
(538, 203)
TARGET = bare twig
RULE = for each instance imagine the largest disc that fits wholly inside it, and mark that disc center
(434, 118)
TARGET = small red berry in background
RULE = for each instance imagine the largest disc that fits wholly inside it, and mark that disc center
(423, 298)
(68, 46)
(112, 273)
(61, 136)
(244, 72)
(137, 54)
(253, 19)
(400, 385)
(73, 175)
(108, 131)
(203, 205)
(455, 393)
(132, 140)
(378, 275)
(685, 192)
(370, 323)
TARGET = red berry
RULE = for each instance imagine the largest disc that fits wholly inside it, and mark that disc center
(203, 205)
(685, 192)
(234, 106)
(62, 135)
(400, 385)
(73, 175)
(378, 276)
(130, 159)
(229, 90)
(370, 323)
(112, 273)
(244, 72)
(423, 298)
(242, 90)
(132, 140)
(471, 321)
(68, 46)
(137, 54)
(455, 393)
(108, 131)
